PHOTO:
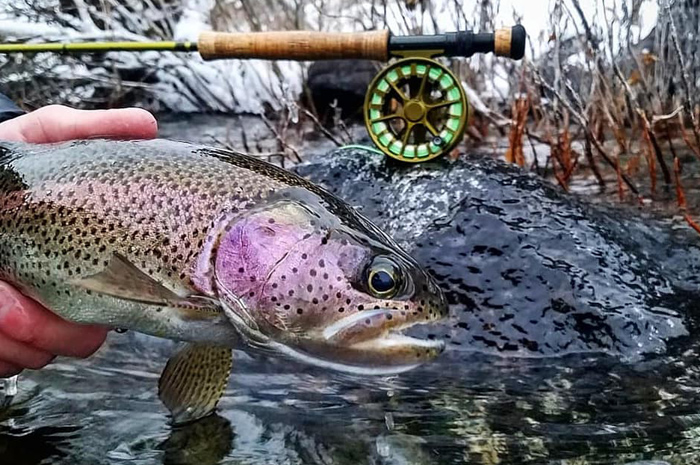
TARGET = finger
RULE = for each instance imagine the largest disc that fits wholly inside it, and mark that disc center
(26, 321)
(23, 355)
(8, 370)
(56, 123)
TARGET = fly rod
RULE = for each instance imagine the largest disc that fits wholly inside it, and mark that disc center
(307, 45)
(415, 108)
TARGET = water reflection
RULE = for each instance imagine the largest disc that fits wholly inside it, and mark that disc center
(34, 446)
(205, 442)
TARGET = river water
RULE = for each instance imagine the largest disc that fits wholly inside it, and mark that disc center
(572, 410)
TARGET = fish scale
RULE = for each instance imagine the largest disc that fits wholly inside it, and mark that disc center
(213, 248)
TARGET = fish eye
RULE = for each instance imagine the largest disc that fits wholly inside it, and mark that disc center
(383, 278)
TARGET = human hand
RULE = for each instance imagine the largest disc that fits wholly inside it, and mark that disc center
(30, 335)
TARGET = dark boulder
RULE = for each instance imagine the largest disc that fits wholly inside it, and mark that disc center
(528, 270)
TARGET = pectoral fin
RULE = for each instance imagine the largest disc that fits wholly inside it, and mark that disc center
(194, 380)
(123, 280)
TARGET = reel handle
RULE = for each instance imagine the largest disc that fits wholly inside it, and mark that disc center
(506, 42)
(295, 45)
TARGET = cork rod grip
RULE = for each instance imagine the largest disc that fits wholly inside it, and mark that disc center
(295, 45)
(510, 42)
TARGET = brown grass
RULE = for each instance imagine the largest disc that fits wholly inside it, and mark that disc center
(520, 110)
(634, 106)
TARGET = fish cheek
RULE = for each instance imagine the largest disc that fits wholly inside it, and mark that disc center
(315, 285)
(247, 254)
(291, 294)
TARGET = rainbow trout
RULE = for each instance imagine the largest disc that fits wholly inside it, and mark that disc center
(210, 247)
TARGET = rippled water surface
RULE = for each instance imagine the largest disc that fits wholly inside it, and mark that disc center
(479, 410)
(574, 411)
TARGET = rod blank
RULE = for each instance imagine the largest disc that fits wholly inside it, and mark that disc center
(99, 47)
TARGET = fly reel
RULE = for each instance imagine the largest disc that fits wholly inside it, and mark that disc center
(416, 110)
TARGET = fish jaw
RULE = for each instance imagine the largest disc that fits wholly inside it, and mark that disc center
(386, 354)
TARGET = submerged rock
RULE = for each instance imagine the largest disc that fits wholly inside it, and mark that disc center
(528, 270)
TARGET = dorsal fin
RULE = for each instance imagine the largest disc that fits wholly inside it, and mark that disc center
(10, 180)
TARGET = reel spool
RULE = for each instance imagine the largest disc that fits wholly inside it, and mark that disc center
(416, 110)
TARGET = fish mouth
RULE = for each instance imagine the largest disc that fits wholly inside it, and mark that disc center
(353, 333)
(372, 341)
(386, 353)
(348, 346)
(389, 354)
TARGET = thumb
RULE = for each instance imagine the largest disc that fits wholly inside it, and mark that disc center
(57, 123)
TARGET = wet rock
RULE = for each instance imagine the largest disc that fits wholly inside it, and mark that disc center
(528, 270)
(344, 81)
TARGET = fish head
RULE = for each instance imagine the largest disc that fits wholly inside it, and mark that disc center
(334, 292)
